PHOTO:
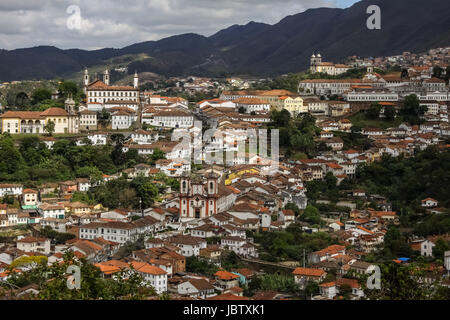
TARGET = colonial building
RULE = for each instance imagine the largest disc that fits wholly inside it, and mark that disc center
(167, 117)
(100, 94)
(250, 105)
(15, 122)
(198, 197)
(122, 118)
(326, 67)
(88, 120)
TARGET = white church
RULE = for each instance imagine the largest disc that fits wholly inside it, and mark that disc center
(316, 65)
(100, 94)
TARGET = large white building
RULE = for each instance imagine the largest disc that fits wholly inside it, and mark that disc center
(252, 105)
(123, 118)
(168, 117)
(100, 94)
(370, 95)
(144, 137)
(326, 67)
(11, 189)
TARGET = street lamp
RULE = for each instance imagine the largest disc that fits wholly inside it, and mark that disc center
(140, 207)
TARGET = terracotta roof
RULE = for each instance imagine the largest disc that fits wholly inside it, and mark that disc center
(201, 284)
(311, 272)
(147, 268)
(32, 239)
(54, 112)
(225, 275)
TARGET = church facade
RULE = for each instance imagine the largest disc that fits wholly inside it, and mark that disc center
(100, 94)
(198, 196)
(316, 65)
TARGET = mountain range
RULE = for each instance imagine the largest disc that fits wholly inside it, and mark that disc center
(257, 49)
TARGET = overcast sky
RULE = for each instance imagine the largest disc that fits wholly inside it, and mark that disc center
(118, 23)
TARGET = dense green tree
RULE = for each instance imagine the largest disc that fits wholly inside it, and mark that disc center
(293, 207)
(401, 282)
(22, 100)
(439, 249)
(67, 88)
(49, 127)
(374, 111)
(40, 95)
(195, 265)
(411, 110)
(389, 113)
(311, 215)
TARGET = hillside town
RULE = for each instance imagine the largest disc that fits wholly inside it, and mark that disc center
(199, 213)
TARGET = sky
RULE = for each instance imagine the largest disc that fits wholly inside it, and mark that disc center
(93, 24)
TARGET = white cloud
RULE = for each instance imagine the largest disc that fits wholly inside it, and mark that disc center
(118, 23)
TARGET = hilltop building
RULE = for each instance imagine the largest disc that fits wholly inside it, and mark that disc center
(330, 68)
(100, 94)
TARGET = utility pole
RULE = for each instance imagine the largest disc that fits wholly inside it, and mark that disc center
(140, 207)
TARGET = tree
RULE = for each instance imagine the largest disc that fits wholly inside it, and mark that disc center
(400, 282)
(374, 111)
(145, 190)
(280, 118)
(411, 110)
(355, 129)
(345, 290)
(11, 160)
(311, 215)
(311, 289)
(40, 95)
(404, 73)
(67, 88)
(49, 127)
(22, 100)
(104, 118)
(293, 207)
(437, 72)
(157, 154)
(439, 249)
(195, 265)
(118, 156)
(389, 113)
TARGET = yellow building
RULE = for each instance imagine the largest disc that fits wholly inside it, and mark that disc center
(240, 172)
(293, 104)
(284, 99)
(16, 122)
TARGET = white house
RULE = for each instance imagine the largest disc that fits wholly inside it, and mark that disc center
(190, 246)
(122, 119)
(52, 211)
(168, 117)
(429, 203)
(10, 189)
(34, 244)
(30, 197)
(144, 137)
(155, 276)
(98, 138)
(200, 288)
